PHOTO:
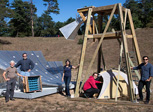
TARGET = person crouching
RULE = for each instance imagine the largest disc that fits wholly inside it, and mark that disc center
(90, 87)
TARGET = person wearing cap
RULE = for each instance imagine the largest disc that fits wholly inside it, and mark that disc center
(10, 81)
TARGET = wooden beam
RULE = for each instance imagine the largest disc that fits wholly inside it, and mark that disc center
(83, 53)
(125, 18)
(84, 19)
(93, 26)
(103, 8)
(99, 44)
(124, 9)
(100, 21)
(99, 58)
(130, 81)
(134, 38)
(103, 60)
(119, 68)
(101, 51)
(120, 59)
(132, 65)
(106, 9)
(109, 35)
(82, 16)
(85, 9)
(129, 36)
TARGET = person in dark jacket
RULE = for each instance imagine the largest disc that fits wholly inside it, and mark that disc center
(90, 87)
(146, 75)
(26, 65)
(67, 76)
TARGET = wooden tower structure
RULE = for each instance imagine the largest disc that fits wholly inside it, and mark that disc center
(95, 32)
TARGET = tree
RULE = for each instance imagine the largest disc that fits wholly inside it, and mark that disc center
(32, 26)
(5, 12)
(52, 6)
(45, 26)
(142, 12)
(115, 23)
(146, 7)
(20, 24)
(69, 20)
(136, 11)
(58, 25)
(150, 22)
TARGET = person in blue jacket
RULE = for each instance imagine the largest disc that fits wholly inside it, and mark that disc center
(146, 75)
(67, 76)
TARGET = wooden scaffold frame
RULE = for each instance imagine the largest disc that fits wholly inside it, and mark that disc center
(97, 34)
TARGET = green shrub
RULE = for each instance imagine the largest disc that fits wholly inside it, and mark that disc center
(80, 41)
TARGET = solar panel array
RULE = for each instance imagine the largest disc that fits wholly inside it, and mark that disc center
(51, 72)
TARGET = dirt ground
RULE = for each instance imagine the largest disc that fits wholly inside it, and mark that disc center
(59, 103)
(59, 49)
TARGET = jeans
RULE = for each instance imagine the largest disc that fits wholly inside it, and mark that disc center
(67, 80)
(20, 82)
(10, 89)
(25, 73)
(90, 92)
(140, 87)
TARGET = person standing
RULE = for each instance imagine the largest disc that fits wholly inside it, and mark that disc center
(90, 87)
(26, 65)
(67, 76)
(10, 80)
(146, 76)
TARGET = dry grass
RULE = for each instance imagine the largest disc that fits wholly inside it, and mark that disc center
(60, 49)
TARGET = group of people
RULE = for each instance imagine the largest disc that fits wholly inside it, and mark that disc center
(90, 87)
(26, 65)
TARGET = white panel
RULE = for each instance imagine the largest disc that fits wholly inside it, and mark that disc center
(106, 80)
(70, 30)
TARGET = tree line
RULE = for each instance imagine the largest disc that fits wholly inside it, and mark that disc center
(19, 18)
(142, 14)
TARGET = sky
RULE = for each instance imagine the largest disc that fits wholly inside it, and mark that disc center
(68, 8)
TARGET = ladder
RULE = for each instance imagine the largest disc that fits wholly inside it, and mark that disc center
(133, 63)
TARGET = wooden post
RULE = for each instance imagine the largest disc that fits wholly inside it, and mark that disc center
(120, 60)
(83, 53)
(99, 58)
(99, 51)
(132, 65)
(99, 44)
(134, 38)
(130, 81)
(84, 19)
(93, 25)
(119, 67)
(103, 59)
